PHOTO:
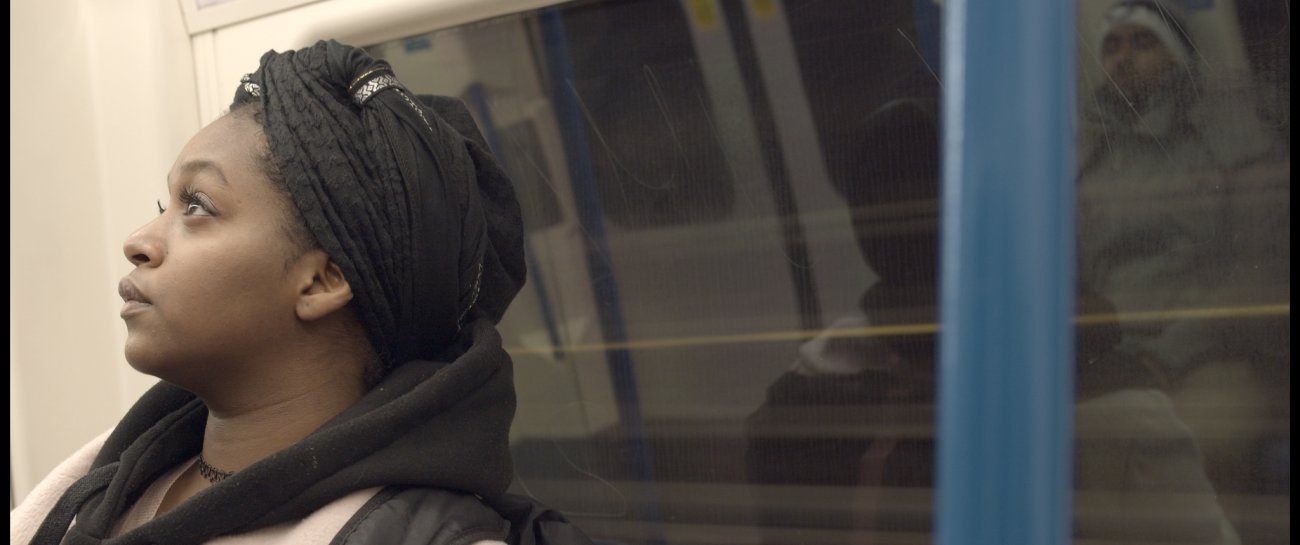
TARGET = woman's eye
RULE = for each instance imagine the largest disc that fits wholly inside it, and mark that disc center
(196, 204)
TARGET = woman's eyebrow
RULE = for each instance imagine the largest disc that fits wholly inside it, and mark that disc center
(197, 165)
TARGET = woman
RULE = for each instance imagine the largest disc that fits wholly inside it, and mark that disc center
(319, 298)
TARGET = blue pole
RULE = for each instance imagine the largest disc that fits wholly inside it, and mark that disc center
(477, 98)
(1005, 384)
(609, 308)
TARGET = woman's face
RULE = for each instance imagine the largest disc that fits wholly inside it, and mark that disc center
(211, 292)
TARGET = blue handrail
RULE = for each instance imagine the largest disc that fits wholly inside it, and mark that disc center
(609, 307)
(476, 96)
(1005, 392)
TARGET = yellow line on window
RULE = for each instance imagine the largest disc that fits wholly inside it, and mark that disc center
(1187, 314)
(898, 330)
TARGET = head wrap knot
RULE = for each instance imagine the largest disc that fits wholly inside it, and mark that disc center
(399, 190)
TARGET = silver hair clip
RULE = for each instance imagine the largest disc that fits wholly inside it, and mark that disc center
(250, 87)
(363, 89)
(380, 78)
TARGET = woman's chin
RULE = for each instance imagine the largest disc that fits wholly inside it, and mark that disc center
(145, 360)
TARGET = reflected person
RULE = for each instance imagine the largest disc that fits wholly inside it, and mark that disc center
(854, 415)
(1170, 217)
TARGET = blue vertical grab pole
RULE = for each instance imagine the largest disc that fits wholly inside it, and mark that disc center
(586, 195)
(1007, 289)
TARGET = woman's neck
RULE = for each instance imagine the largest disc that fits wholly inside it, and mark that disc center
(240, 432)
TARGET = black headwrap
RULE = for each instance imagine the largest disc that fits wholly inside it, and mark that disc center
(400, 191)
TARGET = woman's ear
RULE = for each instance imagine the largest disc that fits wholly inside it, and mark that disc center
(324, 289)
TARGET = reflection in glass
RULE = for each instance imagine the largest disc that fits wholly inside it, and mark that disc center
(1183, 217)
(728, 333)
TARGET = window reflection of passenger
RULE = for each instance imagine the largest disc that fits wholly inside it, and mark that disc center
(1168, 164)
(1144, 59)
(854, 415)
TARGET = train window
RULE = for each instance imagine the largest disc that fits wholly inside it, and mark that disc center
(1184, 260)
(639, 82)
(649, 132)
(729, 329)
(537, 200)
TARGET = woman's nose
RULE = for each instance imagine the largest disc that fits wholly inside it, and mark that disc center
(144, 246)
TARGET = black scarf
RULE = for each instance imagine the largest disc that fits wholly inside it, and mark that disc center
(426, 424)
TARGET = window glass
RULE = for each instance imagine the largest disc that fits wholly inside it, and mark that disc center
(728, 333)
(1183, 248)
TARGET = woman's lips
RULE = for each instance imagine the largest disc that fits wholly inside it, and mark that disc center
(134, 300)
